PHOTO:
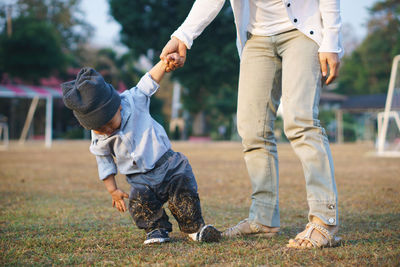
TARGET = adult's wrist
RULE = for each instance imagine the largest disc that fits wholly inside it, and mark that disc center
(182, 39)
(179, 40)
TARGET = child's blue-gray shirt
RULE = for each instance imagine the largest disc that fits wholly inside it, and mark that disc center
(139, 142)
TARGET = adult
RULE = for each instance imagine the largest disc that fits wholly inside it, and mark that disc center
(285, 48)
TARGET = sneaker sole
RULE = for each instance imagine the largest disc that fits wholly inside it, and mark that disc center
(209, 234)
(156, 240)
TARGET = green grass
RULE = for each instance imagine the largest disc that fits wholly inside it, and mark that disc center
(55, 211)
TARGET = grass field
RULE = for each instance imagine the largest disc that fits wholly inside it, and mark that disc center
(55, 211)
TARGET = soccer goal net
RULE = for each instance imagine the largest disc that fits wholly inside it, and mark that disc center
(389, 120)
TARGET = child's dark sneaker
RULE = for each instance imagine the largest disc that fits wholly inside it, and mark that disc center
(207, 233)
(157, 236)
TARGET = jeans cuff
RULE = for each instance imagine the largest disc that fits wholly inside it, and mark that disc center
(327, 211)
(265, 214)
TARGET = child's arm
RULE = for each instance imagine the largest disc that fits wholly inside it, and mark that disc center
(158, 71)
(117, 195)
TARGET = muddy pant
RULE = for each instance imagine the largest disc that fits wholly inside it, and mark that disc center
(171, 181)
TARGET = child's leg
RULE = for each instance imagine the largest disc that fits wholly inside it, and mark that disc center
(146, 209)
(184, 202)
(180, 189)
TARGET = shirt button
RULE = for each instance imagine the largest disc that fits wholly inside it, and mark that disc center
(311, 32)
(331, 206)
(288, 5)
(295, 20)
(331, 220)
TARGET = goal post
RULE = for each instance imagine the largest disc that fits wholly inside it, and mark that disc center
(389, 120)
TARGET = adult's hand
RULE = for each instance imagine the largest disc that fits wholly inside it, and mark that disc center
(332, 60)
(174, 46)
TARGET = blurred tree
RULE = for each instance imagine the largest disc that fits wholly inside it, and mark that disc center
(350, 40)
(33, 51)
(47, 36)
(212, 64)
(367, 69)
(106, 64)
(64, 15)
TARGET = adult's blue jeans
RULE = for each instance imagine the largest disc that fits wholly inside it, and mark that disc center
(284, 67)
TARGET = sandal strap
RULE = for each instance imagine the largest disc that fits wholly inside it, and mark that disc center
(234, 230)
(324, 232)
(307, 236)
(312, 241)
(255, 227)
(328, 236)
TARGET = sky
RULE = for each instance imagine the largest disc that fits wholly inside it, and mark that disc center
(106, 33)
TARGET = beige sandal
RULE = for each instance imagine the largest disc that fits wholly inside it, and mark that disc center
(247, 227)
(332, 239)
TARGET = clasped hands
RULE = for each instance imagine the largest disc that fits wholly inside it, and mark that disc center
(174, 54)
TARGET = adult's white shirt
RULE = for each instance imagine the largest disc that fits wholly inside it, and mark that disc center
(268, 18)
(317, 19)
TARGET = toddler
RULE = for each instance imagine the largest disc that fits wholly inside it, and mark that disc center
(123, 130)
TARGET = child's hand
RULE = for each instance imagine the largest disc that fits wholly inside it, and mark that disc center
(118, 199)
(172, 62)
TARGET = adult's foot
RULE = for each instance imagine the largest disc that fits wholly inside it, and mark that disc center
(317, 234)
(247, 227)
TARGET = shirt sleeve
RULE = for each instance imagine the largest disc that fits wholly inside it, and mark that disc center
(106, 166)
(203, 12)
(331, 23)
(147, 85)
(105, 161)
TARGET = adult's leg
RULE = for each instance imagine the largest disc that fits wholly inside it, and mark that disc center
(258, 100)
(301, 86)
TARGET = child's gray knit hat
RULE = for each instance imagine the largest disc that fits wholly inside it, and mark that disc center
(93, 101)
